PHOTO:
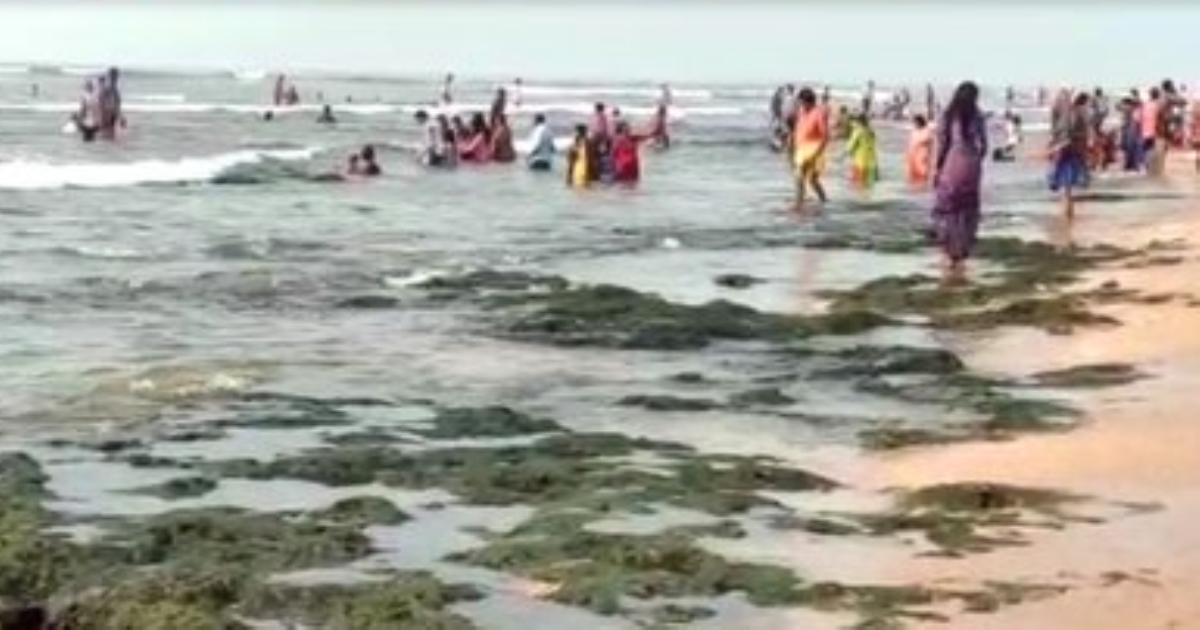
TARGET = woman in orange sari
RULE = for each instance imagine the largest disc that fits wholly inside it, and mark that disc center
(919, 157)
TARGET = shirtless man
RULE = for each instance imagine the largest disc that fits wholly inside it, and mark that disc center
(110, 105)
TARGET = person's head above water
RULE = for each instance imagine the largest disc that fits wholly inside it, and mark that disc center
(807, 98)
(919, 122)
(581, 132)
(368, 153)
(421, 116)
(600, 108)
(478, 123)
(113, 76)
(1155, 94)
(539, 119)
(622, 128)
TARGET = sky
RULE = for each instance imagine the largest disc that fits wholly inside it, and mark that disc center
(992, 41)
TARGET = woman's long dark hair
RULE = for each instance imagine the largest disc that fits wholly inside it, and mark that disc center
(964, 107)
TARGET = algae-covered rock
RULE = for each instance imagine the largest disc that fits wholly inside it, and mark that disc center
(362, 511)
(252, 541)
(405, 601)
(364, 302)
(1087, 376)
(1058, 315)
(762, 397)
(618, 317)
(181, 488)
(662, 402)
(893, 360)
(597, 571)
(490, 282)
(160, 599)
(484, 422)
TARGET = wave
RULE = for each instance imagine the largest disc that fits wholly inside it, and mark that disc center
(157, 98)
(103, 253)
(163, 106)
(34, 175)
(639, 92)
(250, 76)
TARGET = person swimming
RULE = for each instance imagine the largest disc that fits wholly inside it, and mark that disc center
(579, 159)
(326, 117)
(541, 146)
(861, 151)
(370, 167)
(919, 156)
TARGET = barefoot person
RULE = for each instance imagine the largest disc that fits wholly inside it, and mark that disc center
(811, 138)
(961, 149)
(1070, 128)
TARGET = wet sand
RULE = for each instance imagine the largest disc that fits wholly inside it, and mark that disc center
(1140, 444)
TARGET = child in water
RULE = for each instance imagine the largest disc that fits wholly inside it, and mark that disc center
(579, 163)
(864, 162)
(919, 157)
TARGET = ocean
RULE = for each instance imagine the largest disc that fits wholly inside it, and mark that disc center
(201, 276)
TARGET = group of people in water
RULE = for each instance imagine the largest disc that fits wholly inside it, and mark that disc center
(948, 147)
(99, 114)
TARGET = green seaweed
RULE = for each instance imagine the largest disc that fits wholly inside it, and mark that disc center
(181, 488)
(1089, 376)
(762, 397)
(737, 281)
(484, 422)
(362, 511)
(662, 402)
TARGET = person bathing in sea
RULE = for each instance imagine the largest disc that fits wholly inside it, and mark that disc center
(811, 139)
(478, 147)
(541, 146)
(918, 158)
(658, 129)
(861, 151)
(111, 116)
(326, 117)
(1012, 140)
(579, 159)
(447, 96)
(362, 164)
(626, 163)
(87, 119)
(433, 143)
(499, 106)
(502, 150)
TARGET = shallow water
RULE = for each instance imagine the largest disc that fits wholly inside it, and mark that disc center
(137, 290)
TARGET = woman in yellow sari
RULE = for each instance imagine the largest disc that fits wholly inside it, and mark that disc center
(864, 161)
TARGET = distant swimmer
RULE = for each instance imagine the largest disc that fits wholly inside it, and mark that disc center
(659, 133)
(280, 90)
(502, 150)
(518, 96)
(447, 96)
(370, 166)
(111, 116)
(268, 115)
(292, 97)
(87, 119)
(541, 146)
(326, 117)
(579, 159)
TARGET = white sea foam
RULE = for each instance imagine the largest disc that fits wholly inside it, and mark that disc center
(164, 105)
(35, 175)
(639, 92)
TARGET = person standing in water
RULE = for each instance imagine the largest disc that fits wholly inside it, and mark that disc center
(579, 159)
(626, 161)
(499, 106)
(89, 115)
(541, 146)
(868, 100)
(665, 97)
(919, 156)
(658, 129)
(280, 90)
(860, 148)
(110, 105)
(1154, 145)
(931, 105)
(433, 145)
(961, 149)
(447, 89)
(518, 93)
(326, 117)
(1070, 129)
(502, 150)
(811, 139)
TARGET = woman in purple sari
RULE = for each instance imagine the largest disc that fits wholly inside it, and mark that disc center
(961, 148)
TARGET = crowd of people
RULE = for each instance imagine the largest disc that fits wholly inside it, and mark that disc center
(946, 149)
